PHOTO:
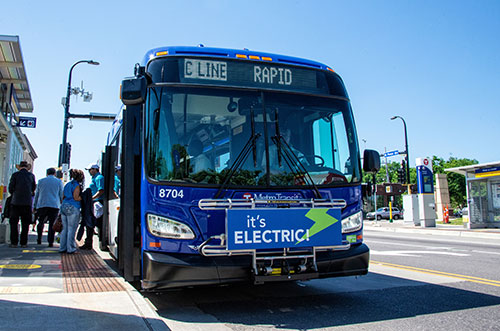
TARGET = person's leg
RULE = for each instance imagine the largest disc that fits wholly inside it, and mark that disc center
(63, 247)
(99, 227)
(14, 222)
(51, 217)
(88, 240)
(42, 215)
(25, 224)
(73, 221)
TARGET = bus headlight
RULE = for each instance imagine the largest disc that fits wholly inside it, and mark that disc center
(352, 223)
(167, 228)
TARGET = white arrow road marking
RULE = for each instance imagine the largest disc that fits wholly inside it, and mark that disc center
(413, 253)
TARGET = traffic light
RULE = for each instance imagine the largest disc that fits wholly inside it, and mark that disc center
(64, 158)
(401, 176)
(402, 173)
(68, 152)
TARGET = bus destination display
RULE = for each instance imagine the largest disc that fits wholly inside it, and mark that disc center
(250, 74)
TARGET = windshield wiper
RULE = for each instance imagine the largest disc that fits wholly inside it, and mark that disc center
(292, 161)
(242, 156)
(290, 156)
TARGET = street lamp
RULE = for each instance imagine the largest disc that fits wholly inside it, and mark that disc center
(63, 152)
(406, 152)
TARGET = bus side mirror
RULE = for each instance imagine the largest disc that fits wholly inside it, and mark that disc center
(133, 90)
(371, 161)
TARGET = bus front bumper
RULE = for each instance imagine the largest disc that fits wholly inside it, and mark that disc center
(164, 271)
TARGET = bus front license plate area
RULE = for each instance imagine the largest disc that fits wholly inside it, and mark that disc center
(282, 228)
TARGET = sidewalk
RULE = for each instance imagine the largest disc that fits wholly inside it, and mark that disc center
(41, 289)
(440, 229)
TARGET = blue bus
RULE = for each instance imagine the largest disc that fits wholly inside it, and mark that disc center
(236, 166)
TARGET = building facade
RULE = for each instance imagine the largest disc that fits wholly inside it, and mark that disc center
(15, 101)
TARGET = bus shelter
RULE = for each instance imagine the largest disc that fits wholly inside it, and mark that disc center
(483, 194)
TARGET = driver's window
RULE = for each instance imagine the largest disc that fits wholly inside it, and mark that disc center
(323, 141)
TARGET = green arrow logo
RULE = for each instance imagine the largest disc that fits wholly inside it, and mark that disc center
(321, 221)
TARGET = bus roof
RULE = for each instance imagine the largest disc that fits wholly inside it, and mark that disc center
(230, 53)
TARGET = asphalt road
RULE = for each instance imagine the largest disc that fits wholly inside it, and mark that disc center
(416, 282)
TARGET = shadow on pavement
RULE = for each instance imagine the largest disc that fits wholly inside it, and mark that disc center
(291, 306)
(23, 316)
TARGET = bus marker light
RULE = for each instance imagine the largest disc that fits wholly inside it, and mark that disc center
(158, 245)
(161, 53)
(241, 56)
(330, 69)
(266, 58)
(254, 57)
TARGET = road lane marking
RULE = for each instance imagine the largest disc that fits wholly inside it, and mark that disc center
(413, 253)
(406, 245)
(441, 273)
(432, 247)
(485, 252)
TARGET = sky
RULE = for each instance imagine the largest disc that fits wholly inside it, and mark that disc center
(434, 63)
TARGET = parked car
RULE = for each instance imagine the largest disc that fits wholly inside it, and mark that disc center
(383, 213)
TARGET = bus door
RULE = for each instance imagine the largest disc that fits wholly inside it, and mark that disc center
(110, 163)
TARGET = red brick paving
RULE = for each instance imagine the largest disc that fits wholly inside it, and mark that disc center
(85, 272)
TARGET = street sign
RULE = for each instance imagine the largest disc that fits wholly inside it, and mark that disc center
(26, 122)
(391, 153)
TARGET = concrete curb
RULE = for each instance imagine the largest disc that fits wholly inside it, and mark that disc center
(435, 232)
(146, 310)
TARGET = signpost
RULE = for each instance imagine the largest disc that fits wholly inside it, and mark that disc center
(391, 153)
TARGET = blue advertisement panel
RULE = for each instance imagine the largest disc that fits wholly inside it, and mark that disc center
(425, 180)
(282, 228)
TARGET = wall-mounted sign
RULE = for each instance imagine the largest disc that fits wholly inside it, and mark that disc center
(487, 172)
(26, 122)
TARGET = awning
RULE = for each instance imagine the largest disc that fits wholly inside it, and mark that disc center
(12, 71)
(485, 168)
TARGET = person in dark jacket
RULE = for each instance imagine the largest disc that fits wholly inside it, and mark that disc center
(88, 219)
(22, 187)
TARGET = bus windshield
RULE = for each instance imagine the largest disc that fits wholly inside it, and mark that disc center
(198, 135)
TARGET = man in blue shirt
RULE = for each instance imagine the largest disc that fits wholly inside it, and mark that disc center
(47, 201)
(97, 189)
(117, 186)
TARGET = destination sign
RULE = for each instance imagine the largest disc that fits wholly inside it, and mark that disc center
(244, 73)
(201, 69)
(251, 74)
